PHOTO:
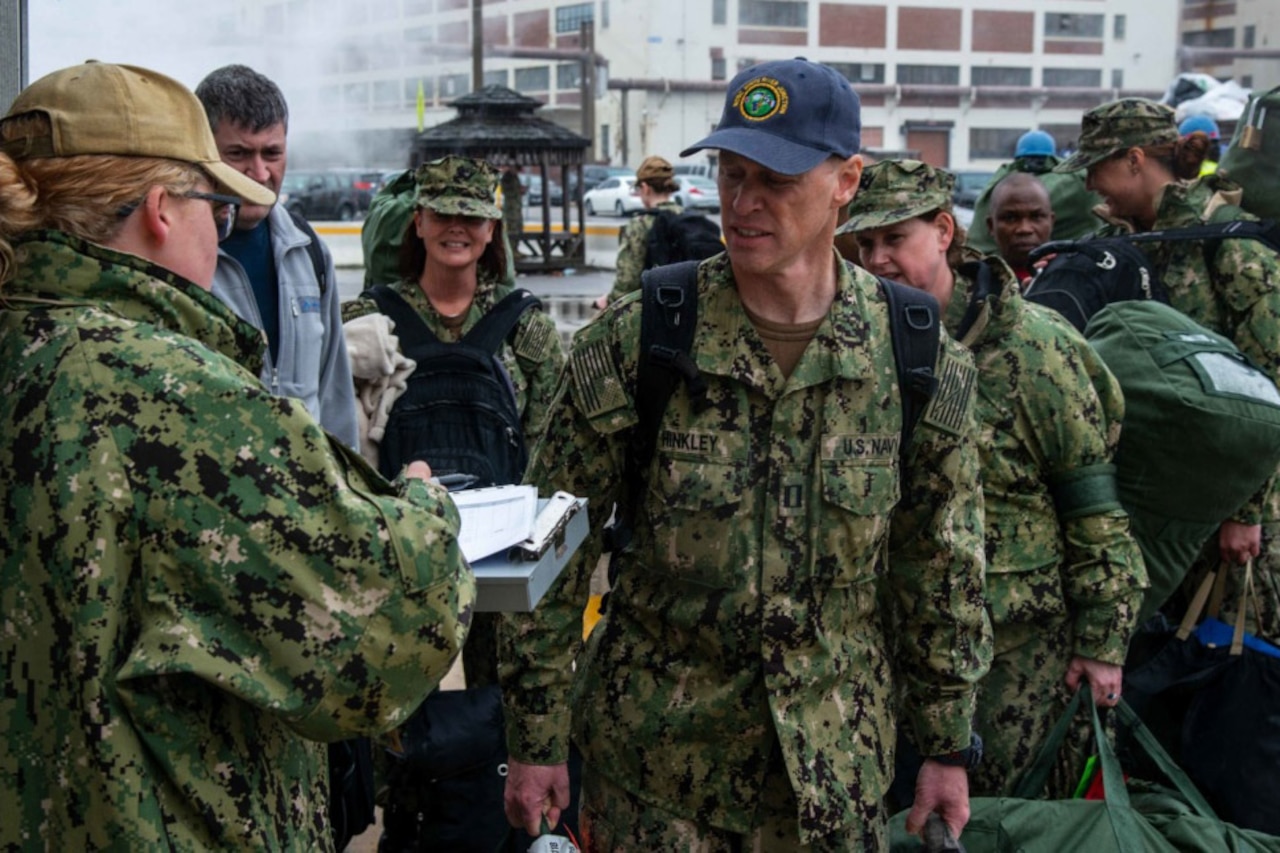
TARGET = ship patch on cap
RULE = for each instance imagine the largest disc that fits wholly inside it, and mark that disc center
(761, 98)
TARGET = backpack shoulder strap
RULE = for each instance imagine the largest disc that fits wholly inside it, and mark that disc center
(500, 320)
(1264, 231)
(313, 248)
(915, 330)
(410, 328)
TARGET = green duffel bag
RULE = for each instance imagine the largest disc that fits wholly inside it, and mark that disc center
(1252, 159)
(1146, 819)
(1201, 432)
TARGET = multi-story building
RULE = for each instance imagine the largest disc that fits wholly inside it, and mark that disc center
(1232, 39)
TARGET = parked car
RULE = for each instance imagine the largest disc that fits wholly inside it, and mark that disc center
(702, 170)
(533, 190)
(614, 196)
(969, 185)
(326, 195)
(697, 192)
(593, 175)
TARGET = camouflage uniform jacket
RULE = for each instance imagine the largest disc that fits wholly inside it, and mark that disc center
(752, 618)
(633, 247)
(1239, 298)
(1046, 406)
(198, 584)
(533, 358)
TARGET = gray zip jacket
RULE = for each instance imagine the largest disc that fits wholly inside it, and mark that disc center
(313, 365)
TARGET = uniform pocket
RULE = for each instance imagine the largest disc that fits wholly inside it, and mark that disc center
(699, 534)
(1031, 595)
(858, 499)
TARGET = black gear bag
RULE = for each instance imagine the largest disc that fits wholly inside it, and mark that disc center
(677, 237)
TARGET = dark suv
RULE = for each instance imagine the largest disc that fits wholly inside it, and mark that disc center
(325, 195)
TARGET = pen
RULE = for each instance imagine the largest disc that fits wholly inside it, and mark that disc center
(455, 482)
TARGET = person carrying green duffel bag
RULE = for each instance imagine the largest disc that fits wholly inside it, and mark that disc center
(1252, 160)
(1133, 816)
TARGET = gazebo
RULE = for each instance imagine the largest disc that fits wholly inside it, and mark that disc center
(498, 124)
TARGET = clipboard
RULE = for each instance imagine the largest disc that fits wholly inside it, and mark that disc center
(515, 580)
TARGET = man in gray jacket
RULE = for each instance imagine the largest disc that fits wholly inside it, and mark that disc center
(266, 272)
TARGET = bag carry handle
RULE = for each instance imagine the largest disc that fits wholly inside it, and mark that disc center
(1217, 582)
(1128, 836)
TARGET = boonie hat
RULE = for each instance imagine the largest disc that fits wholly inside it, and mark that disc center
(655, 169)
(121, 110)
(894, 191)
(458, 186)
(787, 115)
(1119, 125)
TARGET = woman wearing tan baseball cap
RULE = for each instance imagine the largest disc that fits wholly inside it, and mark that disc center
(199, 586)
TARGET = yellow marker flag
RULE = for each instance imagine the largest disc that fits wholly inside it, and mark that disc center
(422, 106)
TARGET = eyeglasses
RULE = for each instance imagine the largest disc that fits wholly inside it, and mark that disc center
(225, 209)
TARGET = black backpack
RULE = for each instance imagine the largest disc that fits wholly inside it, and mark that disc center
(459, 410)
(1085, 276)
(677, 237)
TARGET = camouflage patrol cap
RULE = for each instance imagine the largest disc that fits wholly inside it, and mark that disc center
(897, 190)
(1117, 126)
(458, 186)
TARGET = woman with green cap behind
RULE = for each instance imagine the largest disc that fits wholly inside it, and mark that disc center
(1148, 177)
(1064, 578)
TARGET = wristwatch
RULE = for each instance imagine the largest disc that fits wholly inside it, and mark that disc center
(967, 758)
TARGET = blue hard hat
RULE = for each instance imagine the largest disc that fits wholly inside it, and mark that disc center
(1035, 143)
(1191, 124)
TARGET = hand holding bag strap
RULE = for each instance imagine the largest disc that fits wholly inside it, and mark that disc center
(1246, 588)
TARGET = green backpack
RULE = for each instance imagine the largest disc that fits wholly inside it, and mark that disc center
(1252, 160)
(1201, 432)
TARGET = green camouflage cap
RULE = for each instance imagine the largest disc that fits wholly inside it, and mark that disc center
(458, 186)
(895, 191)
(1117, 126)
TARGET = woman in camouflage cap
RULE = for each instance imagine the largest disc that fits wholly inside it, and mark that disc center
(1064, 577)
(1148, 176)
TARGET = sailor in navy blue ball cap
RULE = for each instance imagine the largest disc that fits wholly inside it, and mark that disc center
(788, 115)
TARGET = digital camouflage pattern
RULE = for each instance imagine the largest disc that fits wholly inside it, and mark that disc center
(633, 247)
(1119, 125)
(1072, 203)
(458, 186)
(894, 191)
(1047, 406)
(1239, 299)
(198, 585)
(777, 557)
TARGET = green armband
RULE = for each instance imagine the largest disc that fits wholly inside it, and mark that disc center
(1085, 491)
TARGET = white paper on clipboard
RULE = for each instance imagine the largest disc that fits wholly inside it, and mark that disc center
(494, 519)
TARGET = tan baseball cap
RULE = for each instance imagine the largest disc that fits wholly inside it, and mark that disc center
(123, 110)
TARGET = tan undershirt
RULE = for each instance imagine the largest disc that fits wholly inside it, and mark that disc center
(786, 342)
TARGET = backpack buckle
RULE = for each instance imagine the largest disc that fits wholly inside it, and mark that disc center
(919, 317)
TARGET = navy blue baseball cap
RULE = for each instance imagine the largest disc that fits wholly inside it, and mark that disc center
(788, 115)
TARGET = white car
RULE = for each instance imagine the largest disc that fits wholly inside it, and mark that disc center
(612, 195)
(697, 192)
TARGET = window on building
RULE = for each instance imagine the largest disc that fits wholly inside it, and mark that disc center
(719, 12)
(1248, 35)
(1210, 38)
(355, 14)
(297, 14)
(773, 13)
(410, 98)
(1073, 77)
(384, 10)
(1072, 26)
(604, 14)
(1117, 28)
(1117, 78)
(427, 33)
(330, 97)
(604, 140)
(934, 75)
(496, 78)
(273, 18)
(414, 8)
(719, 71)
(533, 79)
(355, 96)
(986, 75)
(860, 72)
(568, 75)
(354, 58)
(995, 143)
(1246, 80)
(454, 85)
(569, 19)
(385, 56)
(386, 94)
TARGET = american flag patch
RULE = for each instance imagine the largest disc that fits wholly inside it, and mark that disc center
(596, 385)
(946, 410)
